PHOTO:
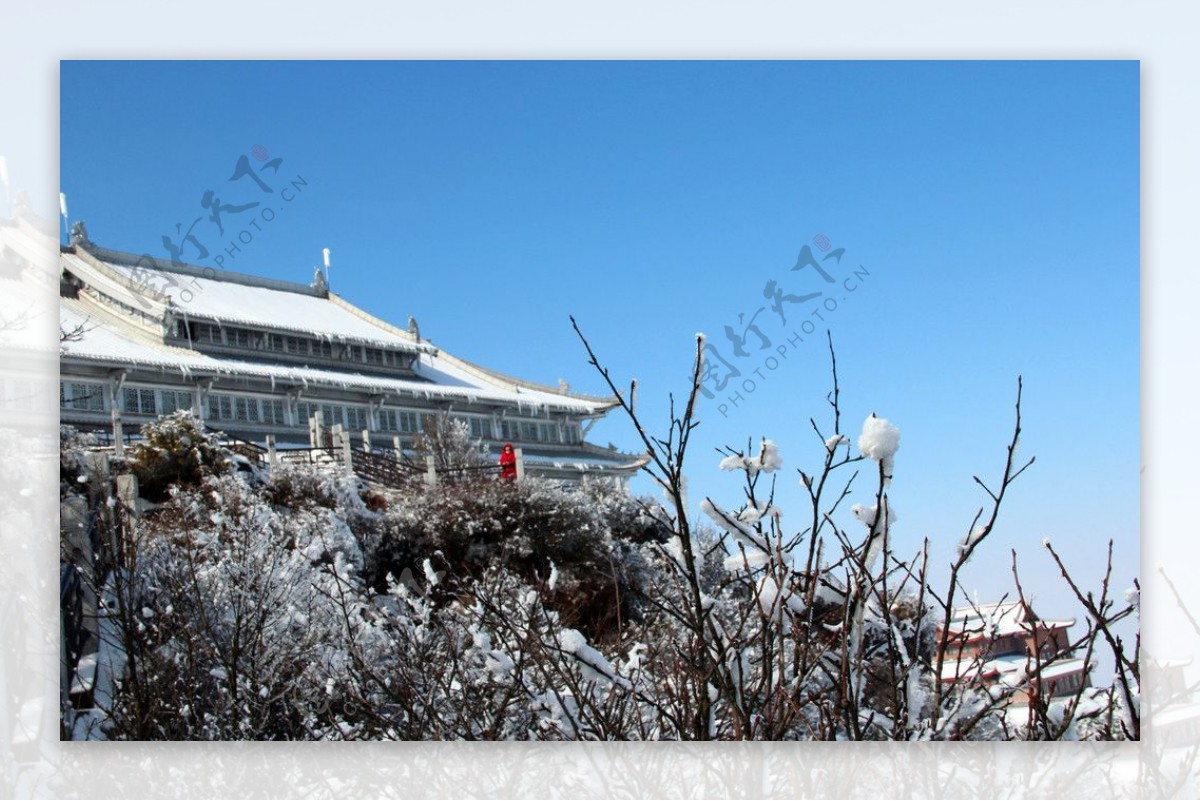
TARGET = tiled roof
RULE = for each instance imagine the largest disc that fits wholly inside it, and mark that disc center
(112, 340)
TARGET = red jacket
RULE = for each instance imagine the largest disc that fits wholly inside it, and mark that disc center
(508, 463)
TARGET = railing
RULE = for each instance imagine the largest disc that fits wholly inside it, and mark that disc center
(257, 454)
(381, 467)
(305, 456)
(104, 437)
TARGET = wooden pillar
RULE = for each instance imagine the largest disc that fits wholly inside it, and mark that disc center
(396, 446)
(366, 440)
(272, 455)
(520, 463)
(430, 471)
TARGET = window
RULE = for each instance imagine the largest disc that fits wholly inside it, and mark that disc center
(139, 401)
(203, 332)
(572, 432)
(246, 410)
(356, 418)
(374, 356)
(330, 414)
(395, 420)
(82, 397)
(272, 412)
(481, 427)
(510, 430)
(174, 401)
(220, 407)
(325, 349)
(396, 359)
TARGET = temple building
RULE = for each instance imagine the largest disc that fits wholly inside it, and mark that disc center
(254, 356)
(1007, 644)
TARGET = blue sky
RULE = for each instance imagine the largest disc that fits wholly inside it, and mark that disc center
(993, 205)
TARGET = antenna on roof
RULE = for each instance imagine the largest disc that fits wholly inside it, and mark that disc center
(325, 251)
(62, 207)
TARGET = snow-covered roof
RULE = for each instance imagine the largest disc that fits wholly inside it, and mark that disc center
(159, 288)
(1012, 670)
(226, 297)
(111, 341)
(998, 620)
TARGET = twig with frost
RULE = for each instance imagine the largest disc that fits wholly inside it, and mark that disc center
(1104, 618)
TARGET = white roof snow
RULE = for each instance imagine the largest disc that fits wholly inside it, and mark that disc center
(260, 305)
(998, 620)
(110, 339)
(1013, 670)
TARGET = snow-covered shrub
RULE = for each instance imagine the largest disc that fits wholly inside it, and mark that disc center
(586, 536)
(232, 616)
(176, 450)
(455, 452)
(303, 485)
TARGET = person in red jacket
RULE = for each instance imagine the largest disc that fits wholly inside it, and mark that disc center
(508, 462)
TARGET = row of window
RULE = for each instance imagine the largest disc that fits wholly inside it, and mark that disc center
(246, 410)
(84, 396)
(231, 336)
(532, 431)
(80, 396)
(1067, 683)
(403, 422)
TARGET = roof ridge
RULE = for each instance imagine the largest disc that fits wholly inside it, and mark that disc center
(199, 271)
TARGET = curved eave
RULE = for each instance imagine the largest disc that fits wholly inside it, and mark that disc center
(599, 405)
(300, 377)
(100, 279)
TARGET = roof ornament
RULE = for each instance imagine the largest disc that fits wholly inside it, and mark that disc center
(79, 233)
(414, 329)
(319, 281)
(563, 386)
